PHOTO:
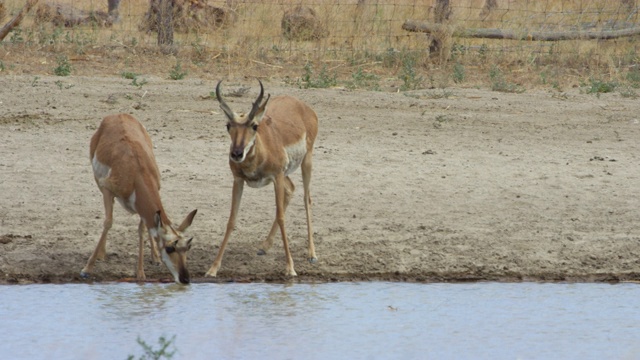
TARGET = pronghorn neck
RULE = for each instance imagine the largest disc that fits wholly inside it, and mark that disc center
(148, 202)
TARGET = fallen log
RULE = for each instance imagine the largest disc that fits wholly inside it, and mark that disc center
(430, 28)
(6, 29)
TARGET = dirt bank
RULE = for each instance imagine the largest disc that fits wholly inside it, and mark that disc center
(478, 185)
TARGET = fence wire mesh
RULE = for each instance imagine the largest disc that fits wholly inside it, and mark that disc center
(349, 32)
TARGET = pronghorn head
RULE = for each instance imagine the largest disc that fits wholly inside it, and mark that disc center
(174, 246)
(243, 127)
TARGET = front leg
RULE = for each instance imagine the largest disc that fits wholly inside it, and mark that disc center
(279, 185)
(140, 270)
(288, 193)
(238, 186)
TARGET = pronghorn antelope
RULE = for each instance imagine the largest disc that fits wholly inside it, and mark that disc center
(267, 145)
(125, 168)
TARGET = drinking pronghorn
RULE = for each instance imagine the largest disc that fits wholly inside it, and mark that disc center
(125, 168)
(267, 145)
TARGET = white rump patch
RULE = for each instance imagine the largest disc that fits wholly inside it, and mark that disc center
(100, 170)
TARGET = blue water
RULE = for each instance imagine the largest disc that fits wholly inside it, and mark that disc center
(374, 320)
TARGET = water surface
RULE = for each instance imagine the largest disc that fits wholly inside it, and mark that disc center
(374, 320)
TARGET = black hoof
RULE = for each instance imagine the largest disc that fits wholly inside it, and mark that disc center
(262, 252)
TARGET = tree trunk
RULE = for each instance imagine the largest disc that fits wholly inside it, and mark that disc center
(442, 11)
(489, 5)
(165, 22)
(437, 44)
(114, 5)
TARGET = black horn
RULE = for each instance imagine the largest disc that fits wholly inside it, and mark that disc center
(257, 104)
(223, 105)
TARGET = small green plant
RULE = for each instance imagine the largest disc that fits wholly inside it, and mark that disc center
(628, 92)
(500, 84)
(363, 80)
(34, 81)
(162, 352)
(2, 65)
(458, 50)
(633, 77)
(177, 73)
(442, 118)
(129, 75)
(324, 79)
(61, 85)
(137, 83)
(16, 36)
(458, 73)
(598, 87)
(134, 78)
(64, 66)
(483, 51)
(408, 75)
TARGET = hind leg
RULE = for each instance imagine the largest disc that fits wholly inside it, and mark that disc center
(306, 167)
(101, 248)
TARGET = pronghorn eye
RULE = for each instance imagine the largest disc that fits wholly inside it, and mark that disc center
(254, 127)
(228, 126)
(170, 249)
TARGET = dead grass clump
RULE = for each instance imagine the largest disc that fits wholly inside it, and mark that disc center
(66, 15)
(188, 16)
(302, 23)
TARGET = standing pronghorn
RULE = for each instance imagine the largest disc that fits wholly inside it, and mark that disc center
(125, 168)
(267, 146)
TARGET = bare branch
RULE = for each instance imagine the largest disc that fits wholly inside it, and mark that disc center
(6, 29)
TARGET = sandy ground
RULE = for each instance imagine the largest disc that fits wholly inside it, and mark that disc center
(479, 185)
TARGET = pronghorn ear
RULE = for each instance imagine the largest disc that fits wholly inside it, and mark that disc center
(187, 221)
(260, 111)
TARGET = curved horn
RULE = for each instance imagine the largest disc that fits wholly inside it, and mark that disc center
(256, 104)
(223, 105)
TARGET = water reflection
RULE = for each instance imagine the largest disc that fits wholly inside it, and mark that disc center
(276, 300)
(344, 320)
(126, 302)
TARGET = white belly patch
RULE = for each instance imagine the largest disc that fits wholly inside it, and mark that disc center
(295, 155)
(259, 183)
(130, 203)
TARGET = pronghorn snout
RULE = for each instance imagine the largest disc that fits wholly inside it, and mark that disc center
(236, 154)
(183, 278)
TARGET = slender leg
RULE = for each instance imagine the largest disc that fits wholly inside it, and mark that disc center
(279, 185)
(238, 186)
(306, 180)
(155, 254)
(100, 250)
(140, 268)
(288, 193)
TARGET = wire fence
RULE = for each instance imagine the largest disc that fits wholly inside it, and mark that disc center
(295, 32)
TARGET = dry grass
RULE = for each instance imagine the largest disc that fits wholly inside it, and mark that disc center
(365, 39)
